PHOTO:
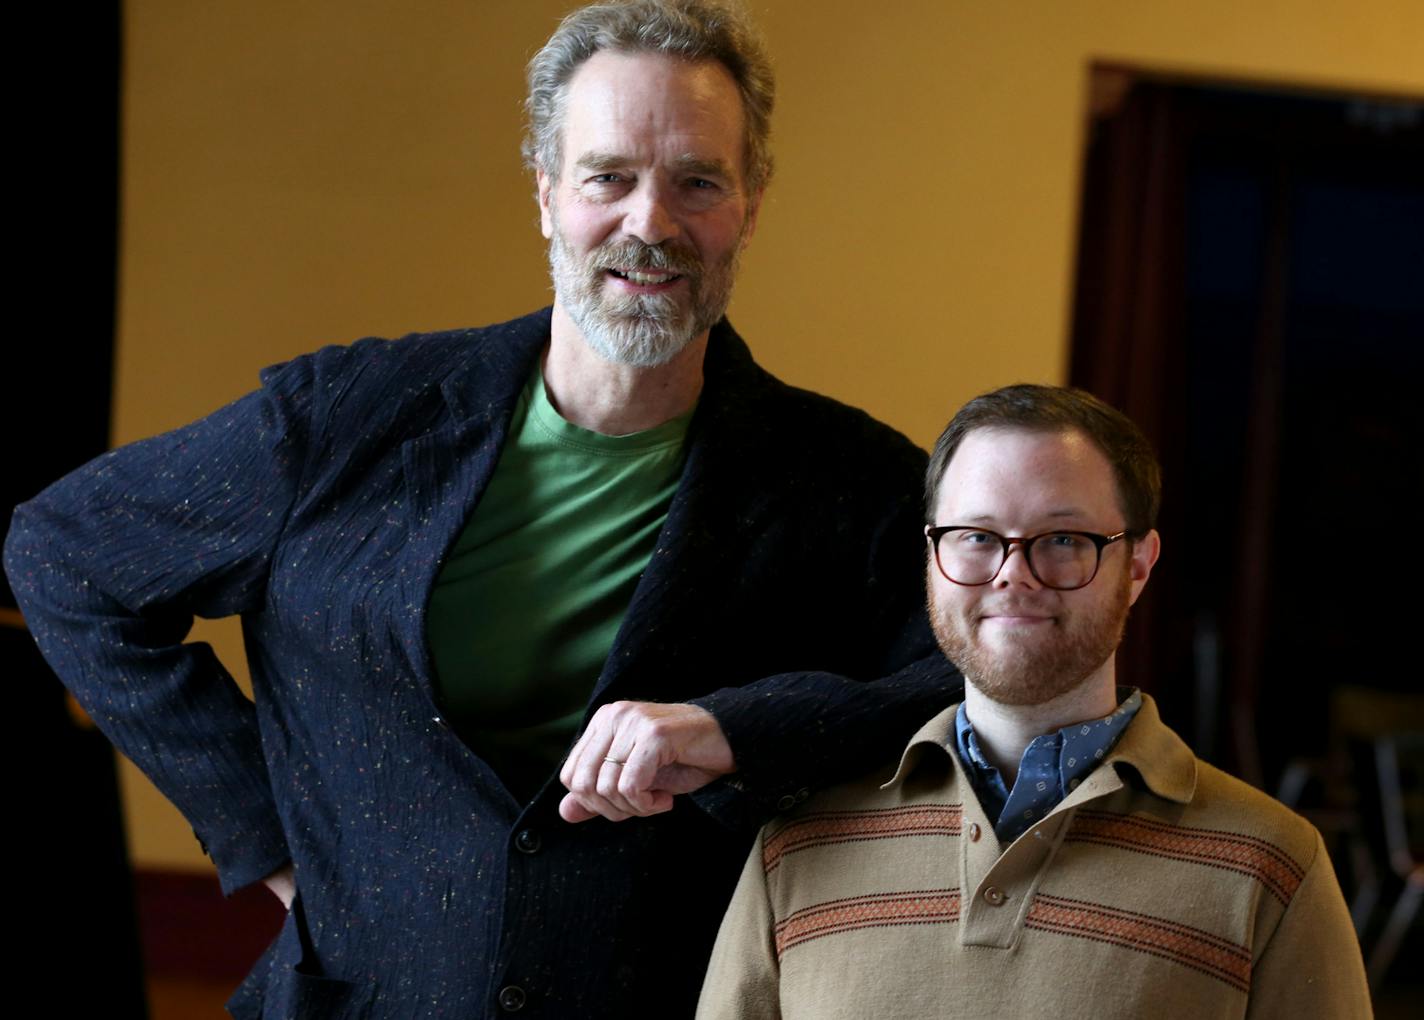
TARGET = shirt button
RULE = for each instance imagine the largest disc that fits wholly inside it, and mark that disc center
(994, 896)
(512, 998)
(786, 803)
(802, 794)
(528, 842)
(973, 832)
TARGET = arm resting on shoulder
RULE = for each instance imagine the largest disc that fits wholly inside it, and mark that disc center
(796, 732)
(800, 732)
(784, 735)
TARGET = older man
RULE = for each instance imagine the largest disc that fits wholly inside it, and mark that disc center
(1048, 848)
(456, 553)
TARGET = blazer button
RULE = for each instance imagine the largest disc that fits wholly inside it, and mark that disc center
(786, 803)
(528, 842)
(512, 998)
(994, 896)
(973, 832)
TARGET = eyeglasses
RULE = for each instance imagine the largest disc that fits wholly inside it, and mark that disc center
(1062, 560)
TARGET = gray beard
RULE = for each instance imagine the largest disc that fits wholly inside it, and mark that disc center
(1034, 675)
(639, 330)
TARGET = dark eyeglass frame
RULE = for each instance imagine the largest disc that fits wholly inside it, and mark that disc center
(933, 533)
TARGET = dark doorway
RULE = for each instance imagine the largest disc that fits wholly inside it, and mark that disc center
(1251, 290)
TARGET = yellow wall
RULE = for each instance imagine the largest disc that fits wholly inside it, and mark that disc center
(299, 174)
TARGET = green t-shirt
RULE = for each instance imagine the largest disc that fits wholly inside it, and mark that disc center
(529, 599)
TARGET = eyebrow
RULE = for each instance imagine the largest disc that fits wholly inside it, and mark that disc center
(1067, 511)
(601, 162)
(689, 163)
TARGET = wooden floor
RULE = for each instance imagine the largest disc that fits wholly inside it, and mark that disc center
(172, 998)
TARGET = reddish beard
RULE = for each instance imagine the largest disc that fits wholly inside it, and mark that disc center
(1039, 668)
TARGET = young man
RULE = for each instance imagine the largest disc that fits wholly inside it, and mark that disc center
(1047, 848)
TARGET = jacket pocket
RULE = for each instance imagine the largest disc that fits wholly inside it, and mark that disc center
(295, 988)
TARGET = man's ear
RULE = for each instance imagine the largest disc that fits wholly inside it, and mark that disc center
(1145, 551)
(546, 194)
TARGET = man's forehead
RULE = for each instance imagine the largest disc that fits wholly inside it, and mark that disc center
(693, 105)
(1027, 443)
(1052, 474)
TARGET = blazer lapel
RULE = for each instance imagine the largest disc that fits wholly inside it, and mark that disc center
(448, 468)
(704, 536)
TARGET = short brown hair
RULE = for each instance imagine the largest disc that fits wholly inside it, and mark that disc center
(1057, 409)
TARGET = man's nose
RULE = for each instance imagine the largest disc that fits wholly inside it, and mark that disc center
(1015, 571)
(650, 217)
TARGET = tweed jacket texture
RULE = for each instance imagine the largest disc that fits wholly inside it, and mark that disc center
(1159, 887)
(319, 508)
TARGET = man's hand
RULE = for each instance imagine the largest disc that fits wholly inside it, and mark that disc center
(283, 883)
(636, 755)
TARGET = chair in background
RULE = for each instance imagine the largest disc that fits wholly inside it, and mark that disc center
(1399, 767)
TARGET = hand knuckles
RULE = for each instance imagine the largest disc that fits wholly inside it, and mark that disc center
(607, 787)
(628, 787)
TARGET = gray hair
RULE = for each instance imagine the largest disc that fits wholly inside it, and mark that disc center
(688, 29)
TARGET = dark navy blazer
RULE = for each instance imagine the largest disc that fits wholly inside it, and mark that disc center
(319, 508)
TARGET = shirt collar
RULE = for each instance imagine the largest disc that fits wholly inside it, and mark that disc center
(1052, 766)
(1167, 766)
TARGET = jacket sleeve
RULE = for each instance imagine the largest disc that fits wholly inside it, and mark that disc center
(1311, 965)
(743, 977)
(110, 565)
(797, 732)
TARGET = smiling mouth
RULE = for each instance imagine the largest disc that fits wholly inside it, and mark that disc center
(645, 277)
(1016, 619)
